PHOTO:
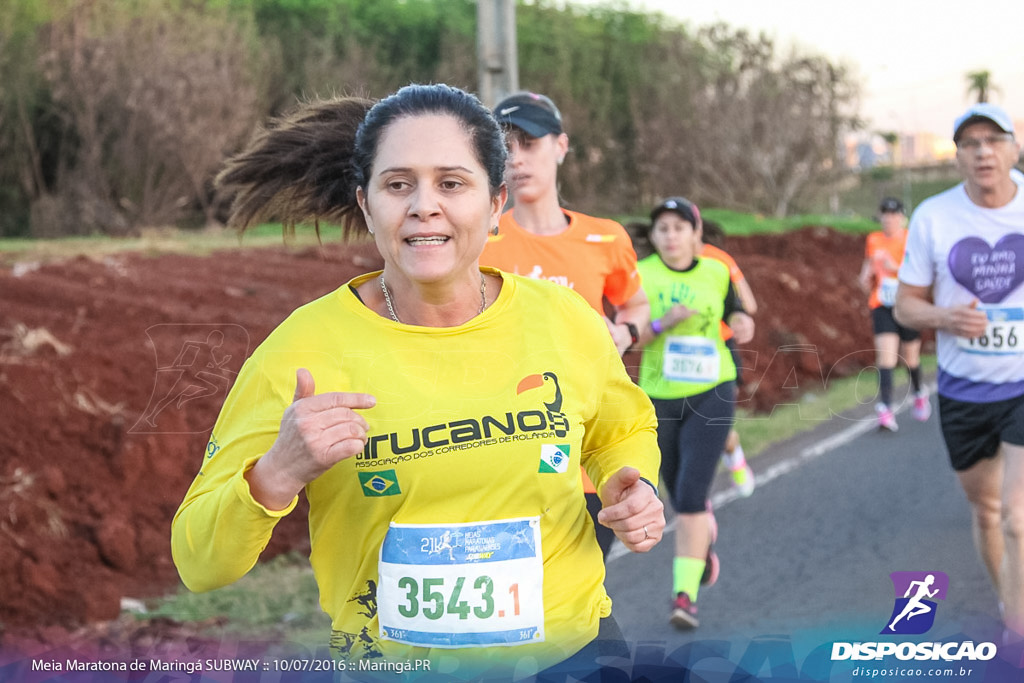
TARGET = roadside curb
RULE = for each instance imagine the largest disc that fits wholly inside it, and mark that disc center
(785, 456)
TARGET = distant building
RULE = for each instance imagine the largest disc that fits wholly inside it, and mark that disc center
(922, 149)
(866, 156)
(865, 150)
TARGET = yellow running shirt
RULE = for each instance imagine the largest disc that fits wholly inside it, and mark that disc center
(460, 533)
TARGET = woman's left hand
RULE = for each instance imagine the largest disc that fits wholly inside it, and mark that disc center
(620, 335)
(742, 326)
(632, 509)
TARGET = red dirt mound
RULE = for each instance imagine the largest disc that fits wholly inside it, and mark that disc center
(112, 372)
(813, 323)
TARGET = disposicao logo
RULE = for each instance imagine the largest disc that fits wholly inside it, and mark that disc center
(377, 484)
(916, 592)
(913, 613)
(554, 459)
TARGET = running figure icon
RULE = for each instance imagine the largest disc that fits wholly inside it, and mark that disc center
(445, 544)
(915, 606)
(201, 371)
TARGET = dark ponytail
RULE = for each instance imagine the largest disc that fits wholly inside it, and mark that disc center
(304, 167)
(298, 169)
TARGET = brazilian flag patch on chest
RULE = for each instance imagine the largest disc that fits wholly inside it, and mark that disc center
(376, 484)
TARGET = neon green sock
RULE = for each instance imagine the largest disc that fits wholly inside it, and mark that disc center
(736, 459)
(686, 573)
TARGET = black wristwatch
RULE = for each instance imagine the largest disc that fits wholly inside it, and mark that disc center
(634, 334)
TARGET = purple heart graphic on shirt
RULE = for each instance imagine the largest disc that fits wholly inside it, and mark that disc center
(990, 273)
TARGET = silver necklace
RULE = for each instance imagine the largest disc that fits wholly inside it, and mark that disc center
(391, 308)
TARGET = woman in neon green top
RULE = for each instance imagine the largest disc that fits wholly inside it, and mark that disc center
(688, 372)
(435, 413)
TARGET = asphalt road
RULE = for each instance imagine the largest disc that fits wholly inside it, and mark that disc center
(806, 563)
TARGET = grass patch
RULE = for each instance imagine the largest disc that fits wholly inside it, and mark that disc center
(278, 598)
(905, 184)
(156, 241)
(744, 224)
(758, 432)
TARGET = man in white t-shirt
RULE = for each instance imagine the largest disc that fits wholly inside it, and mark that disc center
(962, 274)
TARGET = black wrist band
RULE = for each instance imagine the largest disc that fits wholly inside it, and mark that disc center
(648, 482)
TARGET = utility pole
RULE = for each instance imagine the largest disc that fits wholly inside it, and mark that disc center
(497, 58)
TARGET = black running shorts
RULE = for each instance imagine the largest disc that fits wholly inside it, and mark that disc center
(884, 323)
(973, 431)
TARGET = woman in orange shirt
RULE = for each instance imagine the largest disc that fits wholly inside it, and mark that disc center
(882, 258)
(541, 239)
(713, 238)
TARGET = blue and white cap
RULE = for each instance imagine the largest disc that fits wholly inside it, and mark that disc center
(982, 111)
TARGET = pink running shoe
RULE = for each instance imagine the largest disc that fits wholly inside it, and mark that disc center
(712, 522)
(922, 406)
(684, 612)
(886, 419)
(711, 564)
(711, 569)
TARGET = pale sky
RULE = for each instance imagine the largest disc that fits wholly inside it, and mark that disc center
(911, 56)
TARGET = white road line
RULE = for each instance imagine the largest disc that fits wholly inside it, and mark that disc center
(840, 438)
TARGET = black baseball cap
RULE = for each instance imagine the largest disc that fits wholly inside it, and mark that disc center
(890, 205)
(680, 205)
(534, 114)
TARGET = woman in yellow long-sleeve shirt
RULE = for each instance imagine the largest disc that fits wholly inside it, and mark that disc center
(434, 412)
